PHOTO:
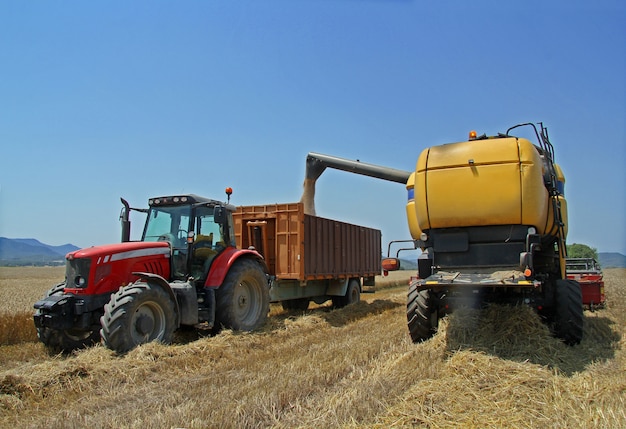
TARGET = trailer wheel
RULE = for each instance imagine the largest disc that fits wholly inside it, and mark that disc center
(421, 313)
(137, 314)
(243, 299)
(65, 340)
(568, 315)
(298, 304)
(352, 296)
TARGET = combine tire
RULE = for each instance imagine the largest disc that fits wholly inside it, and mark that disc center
(138, 314)
(352, 296)
(65, 340)
(568, 314)
(421, 313)
(243, 300)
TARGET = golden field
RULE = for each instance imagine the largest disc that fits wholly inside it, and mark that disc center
(347, 368)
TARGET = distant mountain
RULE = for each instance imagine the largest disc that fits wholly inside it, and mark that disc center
(408, 264)
(28, 251)
(612, 260)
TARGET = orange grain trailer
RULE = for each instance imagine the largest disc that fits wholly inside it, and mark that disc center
(309, 258)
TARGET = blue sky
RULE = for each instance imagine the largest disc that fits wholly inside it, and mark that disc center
(100, 100)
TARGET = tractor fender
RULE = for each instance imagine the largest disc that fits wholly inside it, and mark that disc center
(224, 261)
(155, 279)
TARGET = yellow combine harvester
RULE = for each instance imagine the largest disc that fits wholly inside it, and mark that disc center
(490, 217)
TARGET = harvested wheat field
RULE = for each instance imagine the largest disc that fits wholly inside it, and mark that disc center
(354, 367)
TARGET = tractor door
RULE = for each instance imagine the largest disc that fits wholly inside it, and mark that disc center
(209, 240)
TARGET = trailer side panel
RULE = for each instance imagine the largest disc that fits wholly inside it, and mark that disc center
(302, 247)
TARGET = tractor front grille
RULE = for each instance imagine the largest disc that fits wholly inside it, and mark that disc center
(77, 272)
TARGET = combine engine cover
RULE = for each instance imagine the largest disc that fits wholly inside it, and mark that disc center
(495, 181)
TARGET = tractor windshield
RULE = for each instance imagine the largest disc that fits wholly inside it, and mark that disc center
(168, 223)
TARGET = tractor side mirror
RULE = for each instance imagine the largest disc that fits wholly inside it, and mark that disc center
(219, 215)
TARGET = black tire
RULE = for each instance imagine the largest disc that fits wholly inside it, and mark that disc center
(65, 340)
(568, 314)
(422, 314)
(137, 314)
(243, 300)
(299, 304)
(352, 296)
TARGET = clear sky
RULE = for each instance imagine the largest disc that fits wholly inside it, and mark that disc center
(108, 99)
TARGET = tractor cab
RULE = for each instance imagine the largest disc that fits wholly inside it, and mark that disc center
(196, 228)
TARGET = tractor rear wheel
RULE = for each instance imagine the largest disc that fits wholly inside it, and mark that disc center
(243, 300)
(137, 314)
(422, 314)
(65, 340)
(568, 314)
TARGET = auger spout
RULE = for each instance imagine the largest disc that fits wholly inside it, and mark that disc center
(316, 163)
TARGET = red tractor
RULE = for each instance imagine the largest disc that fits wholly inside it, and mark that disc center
(185, 271)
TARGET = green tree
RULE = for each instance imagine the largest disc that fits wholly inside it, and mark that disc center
(581, 251)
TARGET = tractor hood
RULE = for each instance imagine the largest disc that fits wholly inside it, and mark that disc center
(119, 251)
(104, 269)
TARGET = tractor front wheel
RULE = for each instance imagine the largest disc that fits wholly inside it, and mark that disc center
(137, 314)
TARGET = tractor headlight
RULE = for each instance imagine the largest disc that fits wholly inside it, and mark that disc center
(80, 281)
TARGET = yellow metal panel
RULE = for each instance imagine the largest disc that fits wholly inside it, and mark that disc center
(559, 173)
(482, 182)
(472, 196)
(414, 228)
(490, 151)
(534, 193)
(563, 203)
(411, 208)
(469, 183)
(421, 203)
(550, 227)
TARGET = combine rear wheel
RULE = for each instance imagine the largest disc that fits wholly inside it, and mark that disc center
(243, 300)
(65, 340)
(568, 314)
(421, 313)
(138, 314)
